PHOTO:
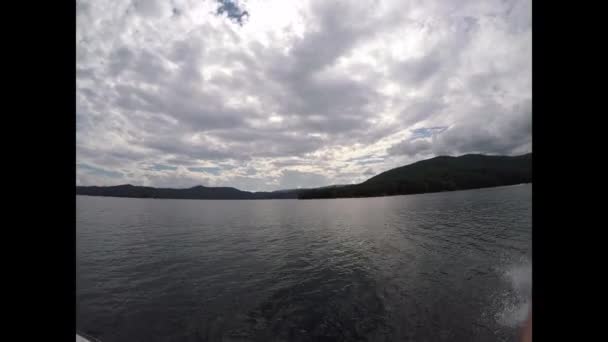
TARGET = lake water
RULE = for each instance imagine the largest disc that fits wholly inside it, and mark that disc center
(452, 266)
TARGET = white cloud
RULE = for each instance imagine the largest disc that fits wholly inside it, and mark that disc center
(305, 93)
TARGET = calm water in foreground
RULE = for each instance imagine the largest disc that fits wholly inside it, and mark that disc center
(452, 266)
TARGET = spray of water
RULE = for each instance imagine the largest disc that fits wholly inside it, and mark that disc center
(515, 303)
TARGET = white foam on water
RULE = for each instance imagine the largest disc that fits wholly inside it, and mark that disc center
(81, 339)
(514, 315)
(515, 305)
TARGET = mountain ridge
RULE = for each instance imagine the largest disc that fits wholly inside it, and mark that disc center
(441, 173)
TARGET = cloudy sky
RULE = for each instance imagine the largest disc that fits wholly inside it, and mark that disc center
(274, 94)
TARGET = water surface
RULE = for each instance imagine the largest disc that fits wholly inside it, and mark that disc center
(452, 266)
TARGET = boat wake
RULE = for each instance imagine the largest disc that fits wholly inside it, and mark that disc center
(515, 303)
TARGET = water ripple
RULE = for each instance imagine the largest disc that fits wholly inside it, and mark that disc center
(435, 267)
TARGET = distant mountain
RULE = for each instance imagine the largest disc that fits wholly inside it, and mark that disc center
(306, 189)
(442, 173)
(197, 192)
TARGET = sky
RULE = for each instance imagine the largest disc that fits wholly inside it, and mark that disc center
(272, 94)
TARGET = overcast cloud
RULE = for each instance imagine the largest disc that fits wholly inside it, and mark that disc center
(271, 94)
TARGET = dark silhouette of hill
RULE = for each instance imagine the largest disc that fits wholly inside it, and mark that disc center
(437, 174)
(197, 192)
(442, 173)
